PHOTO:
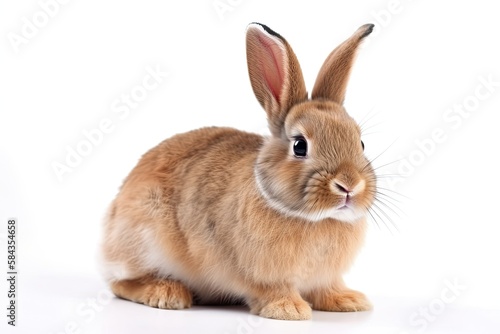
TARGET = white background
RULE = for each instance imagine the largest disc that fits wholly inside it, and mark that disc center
(424, 61)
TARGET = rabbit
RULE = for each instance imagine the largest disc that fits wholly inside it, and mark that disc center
(218, 215)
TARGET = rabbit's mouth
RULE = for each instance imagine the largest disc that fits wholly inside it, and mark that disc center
(345, 212)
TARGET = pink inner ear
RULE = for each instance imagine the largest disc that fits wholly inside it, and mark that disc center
(272, 65)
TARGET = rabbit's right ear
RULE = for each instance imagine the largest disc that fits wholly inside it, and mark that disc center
(275, 74)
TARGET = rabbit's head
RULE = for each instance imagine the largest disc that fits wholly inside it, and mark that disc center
(313, 166)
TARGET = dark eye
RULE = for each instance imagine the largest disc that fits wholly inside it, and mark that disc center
(363, 145)
(300, 147)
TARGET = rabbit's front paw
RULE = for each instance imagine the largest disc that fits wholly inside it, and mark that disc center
(160, 293)
(286, 309)
(342, 301)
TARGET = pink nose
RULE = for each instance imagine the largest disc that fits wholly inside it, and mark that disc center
(339, 187)
(342, 187)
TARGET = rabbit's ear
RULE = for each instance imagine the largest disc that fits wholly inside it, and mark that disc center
(333, 76)
(275, 74)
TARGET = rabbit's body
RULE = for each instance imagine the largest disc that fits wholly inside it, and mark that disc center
(222, 215)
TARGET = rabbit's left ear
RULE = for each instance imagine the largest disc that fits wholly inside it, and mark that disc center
(275, 74)
(333, 76)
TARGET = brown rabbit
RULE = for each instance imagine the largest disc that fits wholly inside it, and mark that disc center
(217, 214)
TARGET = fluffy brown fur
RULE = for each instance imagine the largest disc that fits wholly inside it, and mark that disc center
(217, 214)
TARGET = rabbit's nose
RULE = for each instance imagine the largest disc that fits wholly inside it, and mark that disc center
(342, 188)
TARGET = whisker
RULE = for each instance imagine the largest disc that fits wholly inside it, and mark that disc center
(387, 197)
(395, 192)
(376, 213)
(393, 210)
(364, 134)
(386, 216)
(386, 177)
(391, 206)
(363, 129)
(365, 120)
(373, 218)
(372, 160)
(387, 164)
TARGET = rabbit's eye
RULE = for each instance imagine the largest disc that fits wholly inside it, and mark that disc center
(363, 145)
(300, 147)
